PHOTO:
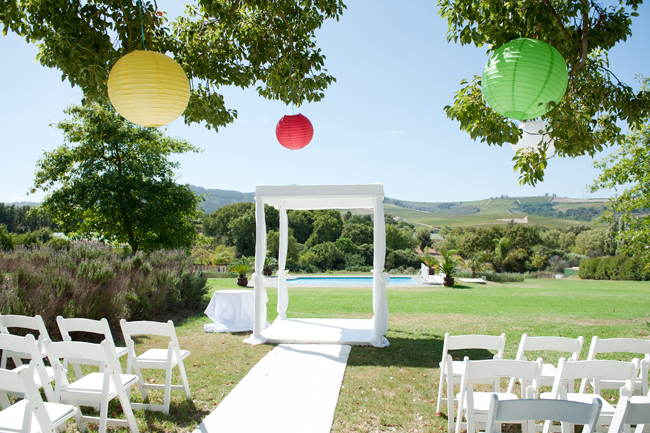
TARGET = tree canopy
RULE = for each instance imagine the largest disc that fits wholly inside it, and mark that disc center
(589, 117)
(628, 172)
(218, 43)
(112, 180)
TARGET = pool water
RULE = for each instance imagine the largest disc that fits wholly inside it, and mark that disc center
(367, 281)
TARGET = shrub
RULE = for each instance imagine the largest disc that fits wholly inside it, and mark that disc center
(93, 282)
(614, 268)
(402, 259)
(505, 277)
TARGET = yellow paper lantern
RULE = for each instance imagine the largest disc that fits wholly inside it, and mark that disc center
(148, 88)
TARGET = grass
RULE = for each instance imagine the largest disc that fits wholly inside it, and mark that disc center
(395, 389)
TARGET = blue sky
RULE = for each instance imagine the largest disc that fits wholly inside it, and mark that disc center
(382, 121)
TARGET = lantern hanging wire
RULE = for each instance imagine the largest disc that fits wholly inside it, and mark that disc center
(141, 25)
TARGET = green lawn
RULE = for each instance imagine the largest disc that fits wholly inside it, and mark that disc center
(395, 389)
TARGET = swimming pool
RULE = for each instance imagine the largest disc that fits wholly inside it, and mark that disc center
(342, 281)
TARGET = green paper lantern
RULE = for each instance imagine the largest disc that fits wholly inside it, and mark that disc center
(521, 75)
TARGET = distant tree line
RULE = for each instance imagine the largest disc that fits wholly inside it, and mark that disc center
(319, 240)
(528, 248)
(548, 210)
(18, 219)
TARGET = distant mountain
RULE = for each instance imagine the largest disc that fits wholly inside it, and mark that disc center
(216, 198)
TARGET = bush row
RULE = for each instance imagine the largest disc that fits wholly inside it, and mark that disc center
(506, 277)
(92, 281)
(614, 268)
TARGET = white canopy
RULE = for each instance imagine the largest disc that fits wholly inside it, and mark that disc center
(311, 197)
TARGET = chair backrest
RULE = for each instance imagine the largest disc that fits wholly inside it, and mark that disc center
(613, 345)
(597, 369)
(631, 413)
(21, 380)
(556, 344)
(503, 368)
(486, 342)
(25, 322)
(96, 353)
(542, 409)
(27, 344)
(143, 327)
(617, 345)
(99, 327)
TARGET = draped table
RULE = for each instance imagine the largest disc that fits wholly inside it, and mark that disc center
(231, 311)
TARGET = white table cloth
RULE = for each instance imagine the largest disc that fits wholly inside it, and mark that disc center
(231, 311)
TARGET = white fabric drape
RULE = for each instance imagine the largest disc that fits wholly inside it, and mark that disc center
(283, 291)
(380, 278)
(258, 277)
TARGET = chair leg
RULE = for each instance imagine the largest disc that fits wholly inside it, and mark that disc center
(186, 385)
(81, 424)
(4, 400)
(143, 391)
(103, 414)
(128, 411)
(168, 390)
(438, 403)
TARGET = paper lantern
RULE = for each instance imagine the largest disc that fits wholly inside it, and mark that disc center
(294, 132)
(535, 136)
(521, 75)
(148, 88)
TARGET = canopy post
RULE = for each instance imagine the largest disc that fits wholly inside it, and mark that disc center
(380, 278)
(258, 277)
(283, 291)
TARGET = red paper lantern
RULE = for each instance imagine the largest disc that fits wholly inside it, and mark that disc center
(294, 132)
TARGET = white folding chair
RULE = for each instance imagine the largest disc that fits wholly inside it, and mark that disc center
(461, 342)
(31, 414)
(99, 388)
(476, 405)
(625, 345)
(624, 372)
(42, 376)
(629, 412)
(161, 359)
(548, 344)
(24, 322)
(99, 327)
(546, 410)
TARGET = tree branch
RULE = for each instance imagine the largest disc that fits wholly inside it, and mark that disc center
(557, 18)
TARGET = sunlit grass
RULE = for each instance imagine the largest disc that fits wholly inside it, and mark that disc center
(395, 389)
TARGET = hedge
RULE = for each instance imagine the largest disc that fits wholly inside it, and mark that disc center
(614, 268)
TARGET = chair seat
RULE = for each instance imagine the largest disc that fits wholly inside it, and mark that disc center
(121, 351)
(159, 356)
(51, 375)
(91, 385)
(11, 419)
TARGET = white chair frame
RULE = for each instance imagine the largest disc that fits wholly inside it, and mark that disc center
(43, 376)
(614, 345)
(625, 372)
(161, 359)
(31, 414)
(547, 410)
(555, 344)
(25, 322)
(94, 387)
(475, 405)
(460, 342)
(99, 327)
(631, 411)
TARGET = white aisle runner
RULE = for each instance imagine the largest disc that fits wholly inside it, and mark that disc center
(294, 388)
